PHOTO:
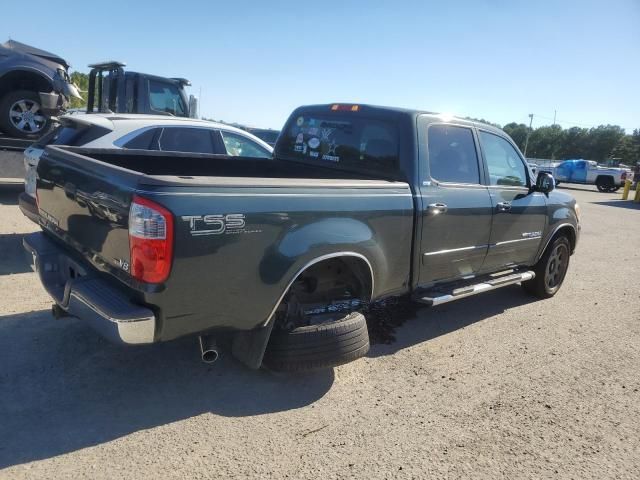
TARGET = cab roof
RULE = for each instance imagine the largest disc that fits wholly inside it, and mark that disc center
(379, 110)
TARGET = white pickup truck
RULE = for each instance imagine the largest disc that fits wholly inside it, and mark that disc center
(587, 172)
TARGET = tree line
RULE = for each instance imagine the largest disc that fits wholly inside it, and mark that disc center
(605, 143)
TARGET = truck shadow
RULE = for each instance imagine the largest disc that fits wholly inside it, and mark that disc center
(431, 323)
(621, 203)
(64, 388)
(12, 254)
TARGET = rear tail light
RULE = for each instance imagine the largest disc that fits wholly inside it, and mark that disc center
(150, 240)
(624, 176)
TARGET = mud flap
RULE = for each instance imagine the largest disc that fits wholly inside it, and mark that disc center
(249, 346)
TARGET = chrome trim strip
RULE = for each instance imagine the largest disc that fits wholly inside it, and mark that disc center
(317, 260)
(453, 250)
(516, 240)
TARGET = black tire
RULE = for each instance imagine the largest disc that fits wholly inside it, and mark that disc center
(550, 270)
(320, 346)
(26, 102)
(604, 184)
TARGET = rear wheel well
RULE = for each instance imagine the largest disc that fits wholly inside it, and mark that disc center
(334, 279)
(604, 179)
(24, 80)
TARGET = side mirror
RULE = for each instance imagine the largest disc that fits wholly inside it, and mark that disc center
(193, 106)
(545, 182)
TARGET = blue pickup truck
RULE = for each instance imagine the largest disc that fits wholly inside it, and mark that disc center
(358, 203)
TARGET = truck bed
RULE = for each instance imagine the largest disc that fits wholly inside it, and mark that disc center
(192, 165)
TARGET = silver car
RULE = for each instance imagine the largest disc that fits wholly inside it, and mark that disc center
(140, 132)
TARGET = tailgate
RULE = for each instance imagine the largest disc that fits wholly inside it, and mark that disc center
(86, 203)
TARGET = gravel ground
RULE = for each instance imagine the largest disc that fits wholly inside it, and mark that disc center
(494, 386)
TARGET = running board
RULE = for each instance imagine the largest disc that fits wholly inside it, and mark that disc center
(440, 297)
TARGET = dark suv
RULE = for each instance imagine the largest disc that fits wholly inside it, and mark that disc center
(34, 85)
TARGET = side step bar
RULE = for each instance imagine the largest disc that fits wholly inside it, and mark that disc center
(438, 298)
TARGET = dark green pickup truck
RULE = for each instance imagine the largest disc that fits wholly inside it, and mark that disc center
(359, 203)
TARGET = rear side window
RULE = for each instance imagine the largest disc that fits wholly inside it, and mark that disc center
(73, 134)
(193, 140)
(339, 140)
(144, 140)
(452, 154)
(240, 146)
(503, 162)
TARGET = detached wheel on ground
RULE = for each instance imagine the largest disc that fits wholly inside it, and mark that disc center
(314, 347)
(550, 269)
(21, 115)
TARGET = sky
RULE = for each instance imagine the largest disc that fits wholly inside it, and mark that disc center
(253, 62)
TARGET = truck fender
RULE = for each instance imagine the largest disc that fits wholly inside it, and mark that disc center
(37, 80)
(569, 228)
(303, 245)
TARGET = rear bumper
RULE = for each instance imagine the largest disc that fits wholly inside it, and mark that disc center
(82, 294)
(28, 207)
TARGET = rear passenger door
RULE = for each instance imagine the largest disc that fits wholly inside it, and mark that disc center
(519, 214)
(455, 207)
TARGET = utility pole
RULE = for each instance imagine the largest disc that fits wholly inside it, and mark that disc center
(526, 142)
(554, 116)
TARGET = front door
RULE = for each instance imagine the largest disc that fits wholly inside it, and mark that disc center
(456, 209)
(519, 214)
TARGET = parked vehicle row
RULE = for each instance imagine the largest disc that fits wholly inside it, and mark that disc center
(138, 132)
(35, 87)
(358, 203)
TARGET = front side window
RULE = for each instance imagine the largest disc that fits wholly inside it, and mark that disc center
(240, 146)
(182, 139)
(165, 97)
(452, 154)
(504, 163)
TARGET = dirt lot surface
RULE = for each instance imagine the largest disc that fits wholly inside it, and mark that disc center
(494, 386)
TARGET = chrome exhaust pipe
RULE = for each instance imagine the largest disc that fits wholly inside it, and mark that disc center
(208, 348)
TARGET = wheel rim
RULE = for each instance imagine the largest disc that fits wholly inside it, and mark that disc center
(25, 115)
(556, 267)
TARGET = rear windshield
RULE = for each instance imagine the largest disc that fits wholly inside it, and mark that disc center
(72, 134)
(342, 141)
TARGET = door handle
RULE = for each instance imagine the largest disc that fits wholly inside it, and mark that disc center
(504, 207)
(436, 208)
